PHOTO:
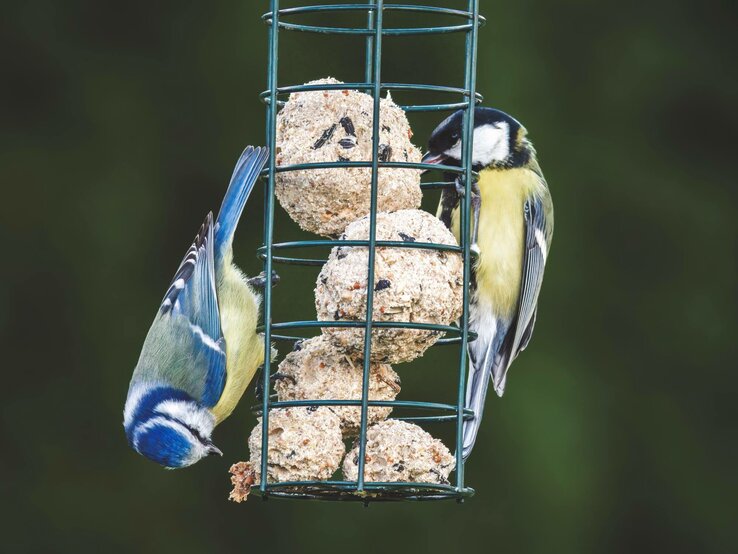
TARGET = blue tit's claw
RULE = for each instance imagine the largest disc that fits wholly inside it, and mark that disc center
(260, 280)
(273, 378)
(259, 387)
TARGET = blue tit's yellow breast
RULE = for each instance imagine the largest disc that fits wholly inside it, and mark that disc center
(239, 314)
(501, 238)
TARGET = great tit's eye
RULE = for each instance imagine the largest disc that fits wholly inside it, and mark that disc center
(454, 137)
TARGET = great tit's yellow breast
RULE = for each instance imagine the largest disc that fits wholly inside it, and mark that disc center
(501, 237)
(239, 313)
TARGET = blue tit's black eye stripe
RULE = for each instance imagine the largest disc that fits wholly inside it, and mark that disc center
(187, 267)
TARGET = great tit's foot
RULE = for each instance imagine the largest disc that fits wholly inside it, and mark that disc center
(260, 280)
(461, 190)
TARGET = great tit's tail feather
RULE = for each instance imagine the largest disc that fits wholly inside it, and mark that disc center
(487, 361)
(244, 177)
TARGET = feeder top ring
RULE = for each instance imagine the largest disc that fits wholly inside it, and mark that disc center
(372, 8)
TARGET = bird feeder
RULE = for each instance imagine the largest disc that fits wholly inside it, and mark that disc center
(369, 37)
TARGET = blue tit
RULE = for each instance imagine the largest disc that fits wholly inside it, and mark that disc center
(202, 348)
(512, 227)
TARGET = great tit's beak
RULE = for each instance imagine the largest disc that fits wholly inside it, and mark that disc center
(431, 158)
(213, 450)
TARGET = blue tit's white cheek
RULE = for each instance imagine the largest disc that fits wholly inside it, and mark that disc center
(189, 413)
(135, 395)
(491, 143)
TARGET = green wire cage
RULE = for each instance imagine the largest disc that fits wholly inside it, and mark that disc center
(370, 37)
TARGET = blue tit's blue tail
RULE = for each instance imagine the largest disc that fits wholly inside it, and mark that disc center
(244, 177)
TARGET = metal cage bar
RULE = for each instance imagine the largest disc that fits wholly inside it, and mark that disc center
(373, 35)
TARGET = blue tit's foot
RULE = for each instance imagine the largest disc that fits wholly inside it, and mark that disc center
(259, 387)
(260, 280)
(273, 378)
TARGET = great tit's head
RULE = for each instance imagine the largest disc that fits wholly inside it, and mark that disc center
(499, 140)
(169, 428)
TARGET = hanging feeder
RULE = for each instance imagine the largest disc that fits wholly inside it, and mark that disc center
(465, 23)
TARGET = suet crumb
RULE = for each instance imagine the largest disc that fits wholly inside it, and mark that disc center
(410, 284)
(336, 125)
(305, 443)
(317, 370)
(398, 451)
(243, 477)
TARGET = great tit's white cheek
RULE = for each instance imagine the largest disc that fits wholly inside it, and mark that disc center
(491, 143)
(455, 151)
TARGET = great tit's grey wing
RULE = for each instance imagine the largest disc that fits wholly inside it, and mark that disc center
(191, 307)
(500, 339)
(538, 216)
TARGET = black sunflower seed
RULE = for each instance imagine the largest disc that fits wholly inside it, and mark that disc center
(347, 143)
(406, 238)
(382, 284)
(325, 137)
(342, 159)
(348, 125)
(385, 128)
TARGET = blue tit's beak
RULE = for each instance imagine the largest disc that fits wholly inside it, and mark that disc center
(214, 450)
(431, 158)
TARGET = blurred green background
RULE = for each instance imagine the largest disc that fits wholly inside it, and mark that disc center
(120, 125)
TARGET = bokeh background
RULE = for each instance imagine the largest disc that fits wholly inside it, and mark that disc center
(120, 125)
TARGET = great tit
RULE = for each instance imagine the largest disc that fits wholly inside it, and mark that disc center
(512, 227)
(202, 348)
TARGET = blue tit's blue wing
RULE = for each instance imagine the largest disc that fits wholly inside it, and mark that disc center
(192, 296)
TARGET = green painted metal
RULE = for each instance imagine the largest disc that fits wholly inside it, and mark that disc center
(273, 97)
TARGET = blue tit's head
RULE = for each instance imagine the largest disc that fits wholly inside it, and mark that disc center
(499, 140)
(168, 427)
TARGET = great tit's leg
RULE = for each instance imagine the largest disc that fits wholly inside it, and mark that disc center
(260, 280)
(459, 185)
(476, 204)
